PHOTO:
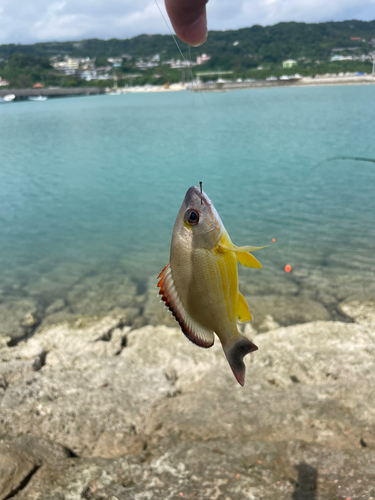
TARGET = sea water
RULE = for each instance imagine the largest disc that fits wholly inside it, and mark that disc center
(91, 186)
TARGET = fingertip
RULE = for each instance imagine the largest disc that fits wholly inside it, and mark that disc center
(196, 33)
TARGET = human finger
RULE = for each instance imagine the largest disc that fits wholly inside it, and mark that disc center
(189, 20)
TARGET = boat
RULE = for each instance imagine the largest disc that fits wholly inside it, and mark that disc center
(297, 76)
(38, 98)
(115, 92)
(9, 97)
(271, 78)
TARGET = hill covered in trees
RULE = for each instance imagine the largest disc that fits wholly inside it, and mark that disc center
(241, 51)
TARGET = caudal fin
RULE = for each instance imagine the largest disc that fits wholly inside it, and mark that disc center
(235, 352)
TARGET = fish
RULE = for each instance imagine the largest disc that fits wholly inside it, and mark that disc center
(199, 285)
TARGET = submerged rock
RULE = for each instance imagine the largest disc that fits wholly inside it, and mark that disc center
(17, 317)
(29, 320)
(285, 310)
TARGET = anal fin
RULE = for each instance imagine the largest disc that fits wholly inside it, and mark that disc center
(193, 330)
(243, 313)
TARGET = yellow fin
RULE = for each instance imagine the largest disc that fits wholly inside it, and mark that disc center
(243, 313)
(243, 256)
(246, 248)
(248, 260)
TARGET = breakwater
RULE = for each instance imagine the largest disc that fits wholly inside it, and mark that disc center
(22, 94)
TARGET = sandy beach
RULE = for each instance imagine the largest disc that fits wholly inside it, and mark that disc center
(226, 86)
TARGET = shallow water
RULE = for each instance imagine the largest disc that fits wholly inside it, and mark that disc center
(90, 188)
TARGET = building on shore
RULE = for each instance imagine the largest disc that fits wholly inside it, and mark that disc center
(289, 63)
(203, 58)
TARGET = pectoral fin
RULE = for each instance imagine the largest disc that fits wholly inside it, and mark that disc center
(243, 313)
(243, 256)
(246, 248)
(248, 260)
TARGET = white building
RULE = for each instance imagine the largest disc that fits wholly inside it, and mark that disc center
(203, 58)
(341, 58)
(289, 63)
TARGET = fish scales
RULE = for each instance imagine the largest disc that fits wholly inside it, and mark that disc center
(200, 284)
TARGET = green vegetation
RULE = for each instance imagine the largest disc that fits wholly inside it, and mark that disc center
(24, 71)
(241, 51)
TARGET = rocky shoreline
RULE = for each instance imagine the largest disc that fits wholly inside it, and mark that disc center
(77, 293)
(99, 408)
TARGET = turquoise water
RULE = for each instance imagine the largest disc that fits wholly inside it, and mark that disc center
(91, 186)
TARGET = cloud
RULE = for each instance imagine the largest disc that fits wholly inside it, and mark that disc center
(242, 13)
(25, 21)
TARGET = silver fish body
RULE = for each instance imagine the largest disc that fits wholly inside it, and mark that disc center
(200, 284)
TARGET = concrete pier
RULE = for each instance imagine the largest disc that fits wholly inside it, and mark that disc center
(22, 94)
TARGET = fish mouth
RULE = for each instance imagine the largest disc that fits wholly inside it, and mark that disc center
(193, 193)
(195, 197)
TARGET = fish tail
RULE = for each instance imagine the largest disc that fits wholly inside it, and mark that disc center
(235, 352)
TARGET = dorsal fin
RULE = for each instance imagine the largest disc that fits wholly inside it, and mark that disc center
(193, 330)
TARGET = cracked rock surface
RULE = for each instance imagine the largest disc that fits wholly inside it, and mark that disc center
(98, 410)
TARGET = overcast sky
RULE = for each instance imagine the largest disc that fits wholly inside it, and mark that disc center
(30, 21)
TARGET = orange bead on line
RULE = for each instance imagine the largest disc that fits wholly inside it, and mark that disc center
(273, 240)
(288, 268)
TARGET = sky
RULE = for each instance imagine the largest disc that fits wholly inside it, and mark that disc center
(31, 21)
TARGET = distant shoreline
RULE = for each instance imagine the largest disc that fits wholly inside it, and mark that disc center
(303, 82)
(23, 94)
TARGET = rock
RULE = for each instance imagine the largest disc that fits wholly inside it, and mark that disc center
(33, 352)
(4, 340)
(268, 324)
(152, 416)
(56, 306)
(155, 312)
(249, 331)
(29, 320)
(96, 479)
(13, 315)
(361, 312)
(286, 309)
(21, 458)
(85, 388)
(102, 293)
(266, 282)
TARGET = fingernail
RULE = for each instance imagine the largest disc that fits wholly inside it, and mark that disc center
(196, 33)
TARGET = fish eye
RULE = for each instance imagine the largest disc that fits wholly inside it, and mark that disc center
(192, 217)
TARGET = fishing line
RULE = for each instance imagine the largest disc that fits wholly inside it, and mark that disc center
(171, 32)
(193, 83)
(334, 158)
(188, 63)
